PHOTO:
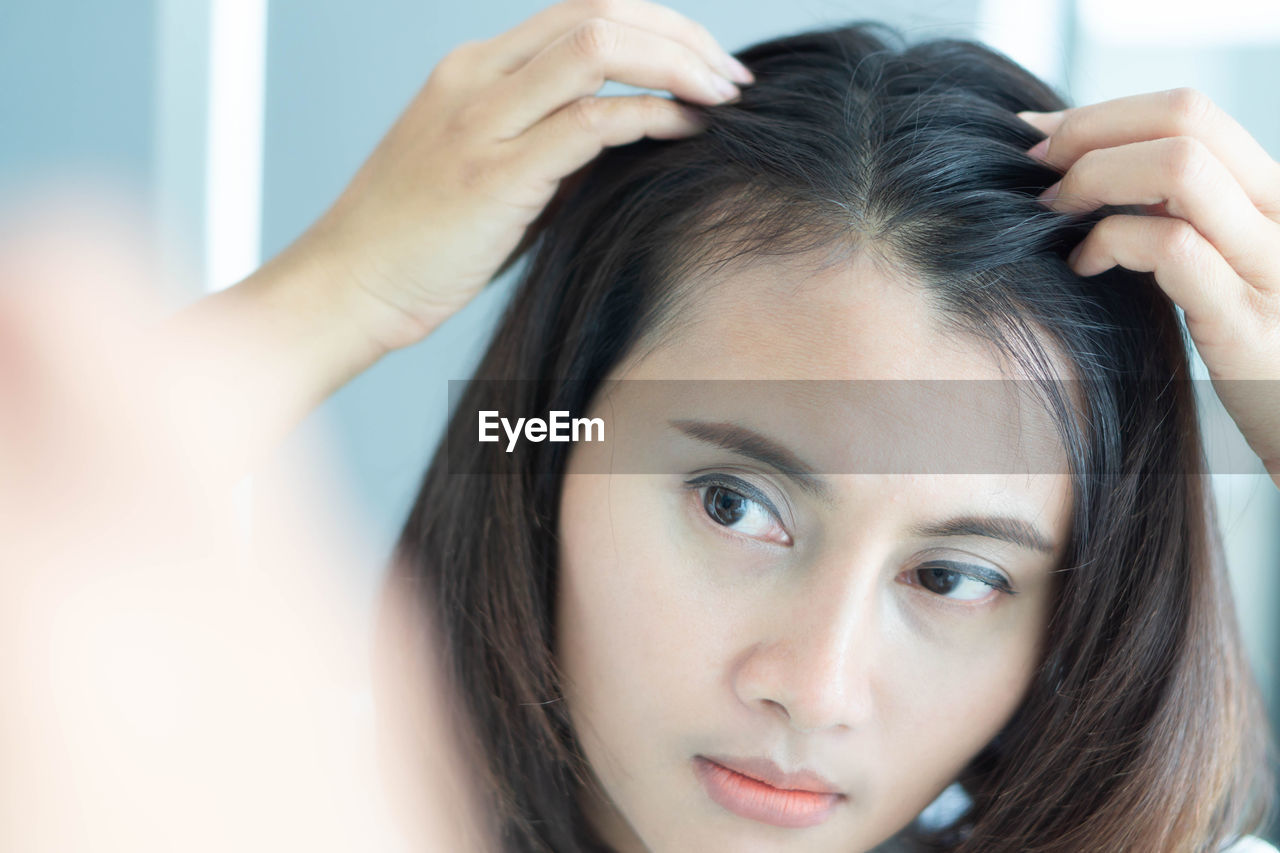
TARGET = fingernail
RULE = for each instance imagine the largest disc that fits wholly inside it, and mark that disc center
(694, 116)
(736, 71)
(1040, 150)
(1048, 196)
(1075, 253)
(1044, 121)
(722, 87)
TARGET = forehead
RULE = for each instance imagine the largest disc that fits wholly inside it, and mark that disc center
(804, 317)
(851, 365)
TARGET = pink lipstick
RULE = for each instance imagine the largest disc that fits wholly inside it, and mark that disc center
(757, 789)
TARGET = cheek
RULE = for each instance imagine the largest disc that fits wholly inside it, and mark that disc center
(626, 628)
(948, 703)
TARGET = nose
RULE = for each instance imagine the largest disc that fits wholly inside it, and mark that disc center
(813, 660)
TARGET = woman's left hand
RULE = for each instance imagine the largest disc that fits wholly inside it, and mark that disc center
(1212, 241)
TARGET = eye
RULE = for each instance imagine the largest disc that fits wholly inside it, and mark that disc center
(739, 506)
(959, 581)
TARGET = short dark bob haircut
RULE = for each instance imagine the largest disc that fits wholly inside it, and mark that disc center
(1142, 729)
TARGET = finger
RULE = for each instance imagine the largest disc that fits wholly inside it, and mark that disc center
(1193, 185)
(578, 63)
(1046, 123)
(518, 45)
(571, 137)
(550, 212)
(1186, 266)
(1157, 115)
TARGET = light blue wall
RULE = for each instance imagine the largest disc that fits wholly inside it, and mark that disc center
(76, 81)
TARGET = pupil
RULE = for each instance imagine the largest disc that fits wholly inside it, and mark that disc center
(938, 580)
(725, 506)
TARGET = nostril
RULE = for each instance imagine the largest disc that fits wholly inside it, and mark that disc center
(782, 708)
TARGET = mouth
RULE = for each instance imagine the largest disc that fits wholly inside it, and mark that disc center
(793, 801)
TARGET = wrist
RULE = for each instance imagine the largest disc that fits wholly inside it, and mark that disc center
(368, 299)
(317, 306)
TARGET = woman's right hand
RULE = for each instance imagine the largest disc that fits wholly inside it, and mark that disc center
(453, 192)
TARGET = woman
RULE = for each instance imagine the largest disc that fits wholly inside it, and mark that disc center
(734, 624)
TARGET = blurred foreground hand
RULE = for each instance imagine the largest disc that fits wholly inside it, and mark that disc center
(166, 688)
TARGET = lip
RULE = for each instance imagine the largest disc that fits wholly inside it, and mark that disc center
(756, 788)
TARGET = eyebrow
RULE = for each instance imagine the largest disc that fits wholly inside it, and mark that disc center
(1005, 528)
(748, 442)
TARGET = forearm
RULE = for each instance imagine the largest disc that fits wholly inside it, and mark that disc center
(246, 364)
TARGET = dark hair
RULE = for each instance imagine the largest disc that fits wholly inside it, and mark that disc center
(1142, 729)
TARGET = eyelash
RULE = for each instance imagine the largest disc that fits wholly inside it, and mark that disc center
(980, 574)
(742, 489)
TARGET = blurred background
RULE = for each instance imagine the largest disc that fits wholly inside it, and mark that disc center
(232, 124)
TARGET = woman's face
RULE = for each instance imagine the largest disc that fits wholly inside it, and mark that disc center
(742, 584)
